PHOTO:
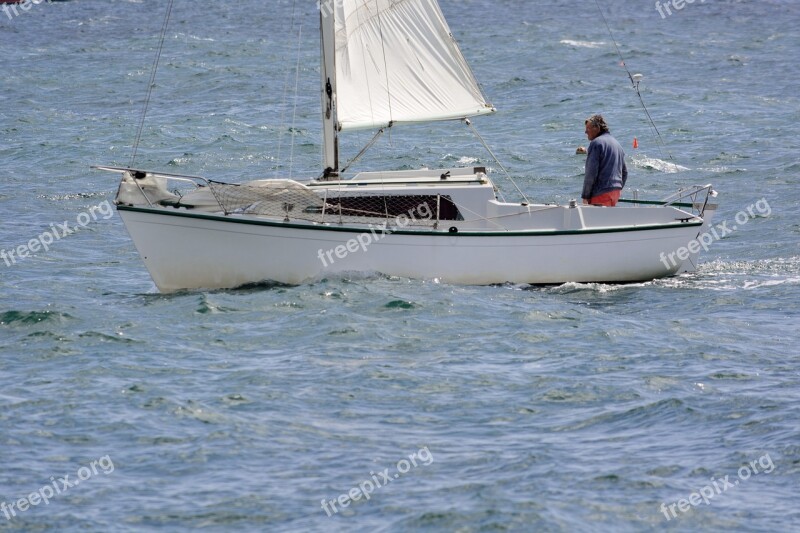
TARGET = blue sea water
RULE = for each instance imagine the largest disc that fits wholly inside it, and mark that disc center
(581, 407)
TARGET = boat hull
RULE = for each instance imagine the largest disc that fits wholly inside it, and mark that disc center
(195, 251)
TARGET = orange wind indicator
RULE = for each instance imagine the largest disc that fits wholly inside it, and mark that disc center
(635, 142)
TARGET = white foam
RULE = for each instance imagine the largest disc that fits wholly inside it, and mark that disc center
(583, 44)
(653, 163)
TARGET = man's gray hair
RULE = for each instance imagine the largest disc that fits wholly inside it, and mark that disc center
(599, 122)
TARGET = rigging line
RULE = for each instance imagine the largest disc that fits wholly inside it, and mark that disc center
(465, 64)
(359, 13)
(283, 104)
(294, 112)
(366, 9)
(152, 82)
(388, 88)
(385, 68)
(468, 122)
(478, 216)
(364, 150)
(660, 141)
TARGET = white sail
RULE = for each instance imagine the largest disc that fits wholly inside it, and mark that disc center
(397, 62)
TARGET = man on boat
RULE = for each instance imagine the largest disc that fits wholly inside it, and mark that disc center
(606, 172)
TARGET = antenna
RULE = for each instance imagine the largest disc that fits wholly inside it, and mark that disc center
(635, 80)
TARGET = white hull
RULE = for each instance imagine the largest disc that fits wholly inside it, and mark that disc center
(192, 251)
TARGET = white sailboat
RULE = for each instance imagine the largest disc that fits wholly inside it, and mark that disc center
(386, 63)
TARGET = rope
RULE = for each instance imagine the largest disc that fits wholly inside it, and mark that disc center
(152, 83)
(294, 112)
(385, 68)
(468, 122)
(283, 104)
(364, 150)
(635, 84)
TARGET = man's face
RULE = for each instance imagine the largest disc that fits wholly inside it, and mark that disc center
(592, 131)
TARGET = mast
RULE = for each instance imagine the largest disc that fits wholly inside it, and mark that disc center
(330, 133)
(389, 62)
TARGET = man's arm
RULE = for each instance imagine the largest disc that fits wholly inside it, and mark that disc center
(592, 171)
(624, 171)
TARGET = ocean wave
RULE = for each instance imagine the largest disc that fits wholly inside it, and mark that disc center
(570, 287)
(31, 317)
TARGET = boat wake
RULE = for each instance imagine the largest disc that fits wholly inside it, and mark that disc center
(720, 275)
(573, 287)
(717, 275)
(750, 275)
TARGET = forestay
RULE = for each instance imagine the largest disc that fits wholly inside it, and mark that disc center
(397, 62)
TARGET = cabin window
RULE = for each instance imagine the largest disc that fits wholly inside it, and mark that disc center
(412, 206)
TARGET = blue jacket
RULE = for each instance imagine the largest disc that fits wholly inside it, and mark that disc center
(605, 167)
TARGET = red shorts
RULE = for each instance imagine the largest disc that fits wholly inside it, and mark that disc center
(608, 199)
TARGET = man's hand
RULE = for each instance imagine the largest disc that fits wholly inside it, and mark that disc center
(585, 202)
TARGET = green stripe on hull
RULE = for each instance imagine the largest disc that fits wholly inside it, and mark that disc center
(442, 233)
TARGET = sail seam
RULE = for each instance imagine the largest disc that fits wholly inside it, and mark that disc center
(385, 69)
